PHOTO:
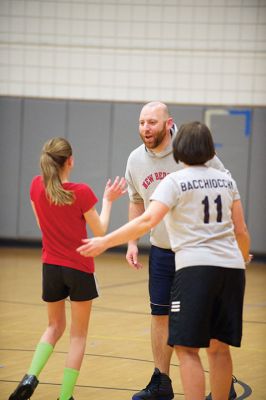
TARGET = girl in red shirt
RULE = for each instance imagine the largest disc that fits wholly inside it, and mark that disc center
(62, 209)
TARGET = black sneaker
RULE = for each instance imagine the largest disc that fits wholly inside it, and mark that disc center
(159, 388)
(25, 388)
(232, 393)
(71, 398)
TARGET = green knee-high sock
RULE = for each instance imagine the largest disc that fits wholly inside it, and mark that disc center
(69, 380)
(40, 358)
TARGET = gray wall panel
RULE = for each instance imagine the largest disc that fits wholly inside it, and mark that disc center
(10, 117)
(183, 114)
(125, 138)
(43, 119)
(257, 183)
(88, 130)
(125, 135)
(232, 146)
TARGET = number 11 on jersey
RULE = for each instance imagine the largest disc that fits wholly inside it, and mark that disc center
(218, 202)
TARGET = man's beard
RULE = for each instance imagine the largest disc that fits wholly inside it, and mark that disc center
(157, 139)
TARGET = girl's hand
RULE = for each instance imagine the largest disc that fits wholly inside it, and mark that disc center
(116, 189)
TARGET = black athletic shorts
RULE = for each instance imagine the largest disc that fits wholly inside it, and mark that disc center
(206, 303)
(60, 282)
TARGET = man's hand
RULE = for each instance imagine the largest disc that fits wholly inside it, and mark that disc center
(132, 256)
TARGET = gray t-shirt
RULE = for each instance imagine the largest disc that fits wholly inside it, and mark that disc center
(199, 221)
(144, 171)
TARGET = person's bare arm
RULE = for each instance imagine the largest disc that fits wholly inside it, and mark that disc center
(35, 213)
(241, 231)
(99, 223)
(130, 231)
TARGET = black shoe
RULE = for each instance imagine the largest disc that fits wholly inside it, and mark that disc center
(71, 398)
(232, 393)
(25, 388)
(159, 388)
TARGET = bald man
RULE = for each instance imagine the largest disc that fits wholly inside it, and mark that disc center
(147, 165)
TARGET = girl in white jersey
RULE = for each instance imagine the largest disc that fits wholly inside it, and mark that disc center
(205, 222)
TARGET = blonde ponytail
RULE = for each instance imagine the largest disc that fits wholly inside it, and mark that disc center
(54, 154)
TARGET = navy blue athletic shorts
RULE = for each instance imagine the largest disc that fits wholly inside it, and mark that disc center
(59, 282)
(206, 303)
(161, 276)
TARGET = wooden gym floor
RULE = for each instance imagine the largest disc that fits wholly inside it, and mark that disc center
(118, 360)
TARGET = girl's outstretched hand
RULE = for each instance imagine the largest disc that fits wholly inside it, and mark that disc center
(116, 189)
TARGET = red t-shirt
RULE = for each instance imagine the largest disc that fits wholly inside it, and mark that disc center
(63, 227)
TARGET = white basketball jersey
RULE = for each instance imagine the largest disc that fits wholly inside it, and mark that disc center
(199, 222)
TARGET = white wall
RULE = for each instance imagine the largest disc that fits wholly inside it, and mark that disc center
(183, 51)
